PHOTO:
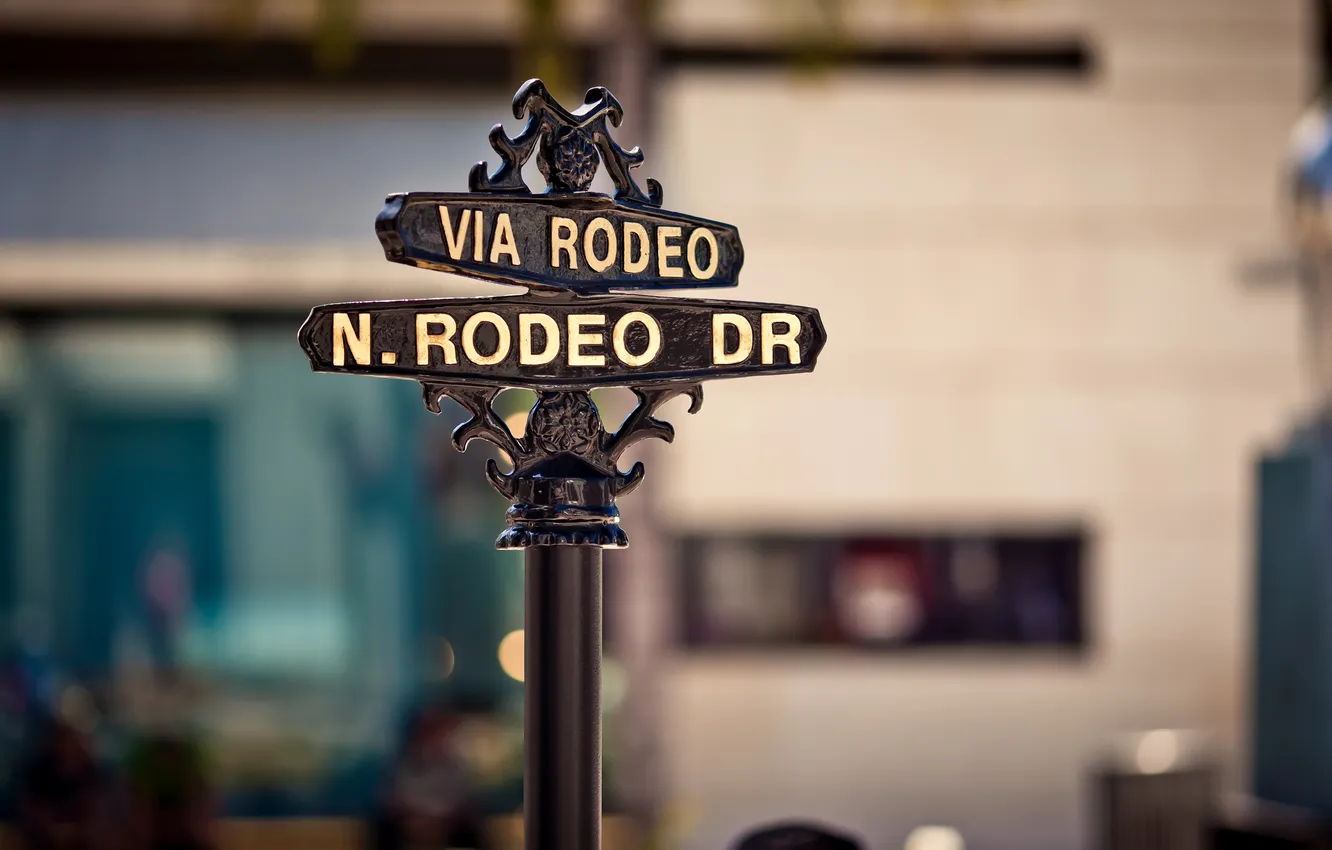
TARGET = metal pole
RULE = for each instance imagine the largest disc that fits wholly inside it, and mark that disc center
(562, 698)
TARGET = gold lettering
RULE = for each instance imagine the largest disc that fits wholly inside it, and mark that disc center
(720, 321)
(503, 242)
(454, 241)
(442, 340)
(345, 338)
(665, 252)
(787, 338)
(691, 253)
(578, 339)
(653, 344)
(563, 243)
(635, 233)
(478, 234)
(469, 338)
(599, 225)
(528, 357)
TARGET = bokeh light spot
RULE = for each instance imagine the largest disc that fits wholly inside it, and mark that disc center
(511, 654)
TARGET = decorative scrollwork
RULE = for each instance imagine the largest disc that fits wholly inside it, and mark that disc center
(640, 424)
(568, 146)
(561, 424)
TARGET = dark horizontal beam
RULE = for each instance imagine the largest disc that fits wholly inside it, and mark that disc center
(99, 63)
(1063, 58)
(93, 62)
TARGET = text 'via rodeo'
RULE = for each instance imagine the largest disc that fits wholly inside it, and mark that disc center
(598, 246)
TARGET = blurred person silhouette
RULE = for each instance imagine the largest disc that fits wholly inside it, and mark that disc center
(428, 802)
(167, 603)
(61, 793)
(795, 835)
(170, 797)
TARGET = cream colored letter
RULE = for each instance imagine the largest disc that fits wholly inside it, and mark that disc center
(742, 351)
(503, 243)
(454, 240)
(691, 253)
(578, 339)
(478, 235)
(565, 242)
(528, 357)
(787, 338)
(635, 233)
(444, 339)
(653, 342)
(344, 339)
(599, 225)
(665, 252)
(469, 338)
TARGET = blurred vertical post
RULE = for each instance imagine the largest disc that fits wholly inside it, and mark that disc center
(628, 64)
(545, 53)
(641, 586)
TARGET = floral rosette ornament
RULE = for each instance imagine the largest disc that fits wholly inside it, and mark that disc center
(564, 422)
(571, 161)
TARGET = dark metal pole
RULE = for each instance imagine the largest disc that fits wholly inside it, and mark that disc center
(562, 698)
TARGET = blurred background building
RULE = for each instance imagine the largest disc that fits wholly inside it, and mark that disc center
(1026, 224)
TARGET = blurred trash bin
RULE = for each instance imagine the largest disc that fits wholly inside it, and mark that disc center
(1156, 791)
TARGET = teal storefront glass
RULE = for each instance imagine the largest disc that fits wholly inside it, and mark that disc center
(139, 525)
(196, 533)
(1292, 686)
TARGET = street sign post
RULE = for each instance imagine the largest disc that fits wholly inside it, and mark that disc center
(567, 335)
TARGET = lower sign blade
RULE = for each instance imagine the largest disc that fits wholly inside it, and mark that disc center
(541, 342)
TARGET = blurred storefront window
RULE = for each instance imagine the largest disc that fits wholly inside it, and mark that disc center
(196, 538)
(1006, 589)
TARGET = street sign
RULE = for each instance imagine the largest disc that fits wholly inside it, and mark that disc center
(571, 247)
(539, 342)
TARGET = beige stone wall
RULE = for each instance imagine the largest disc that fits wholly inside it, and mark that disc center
(1032, 294)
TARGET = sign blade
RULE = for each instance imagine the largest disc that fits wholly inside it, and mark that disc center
(543, 342)
(586, 243)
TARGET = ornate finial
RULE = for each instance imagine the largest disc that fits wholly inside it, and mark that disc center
(568, 146)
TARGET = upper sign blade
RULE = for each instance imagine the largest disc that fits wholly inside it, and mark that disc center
(583, 243)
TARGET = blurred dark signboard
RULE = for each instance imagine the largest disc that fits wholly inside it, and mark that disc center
(581, 243)
(541, 342)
